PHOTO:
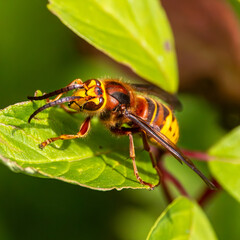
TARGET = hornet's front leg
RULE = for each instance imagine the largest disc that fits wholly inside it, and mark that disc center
(82, 132)
(73, 85)
(65, 108)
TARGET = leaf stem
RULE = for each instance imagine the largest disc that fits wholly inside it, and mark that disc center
(167, 176)
(166, 191)
(208, 193)
(202, 156)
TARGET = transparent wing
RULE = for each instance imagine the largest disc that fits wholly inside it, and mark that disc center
(167, 97)
(167, 144)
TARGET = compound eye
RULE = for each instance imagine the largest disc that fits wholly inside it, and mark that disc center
(98, 91)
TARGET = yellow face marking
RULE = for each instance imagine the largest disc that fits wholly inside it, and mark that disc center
(91, 92)
(92, 83)
(80, 93)
(95, 100)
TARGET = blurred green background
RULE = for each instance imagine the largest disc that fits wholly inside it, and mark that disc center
(38, 52)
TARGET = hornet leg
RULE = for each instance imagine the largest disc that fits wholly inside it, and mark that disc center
(82, 132)
(148, 149)
(132, 156)
(64, 107)
(76, 81)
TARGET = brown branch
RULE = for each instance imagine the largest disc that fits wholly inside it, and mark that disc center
(167, 176)
(207, 194)
(202, 156)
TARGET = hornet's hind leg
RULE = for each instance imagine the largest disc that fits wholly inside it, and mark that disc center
(129, 132)
(132, 156)
(152, 157)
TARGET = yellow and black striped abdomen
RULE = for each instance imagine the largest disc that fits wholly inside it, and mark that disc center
(159, 116)
(169, 126)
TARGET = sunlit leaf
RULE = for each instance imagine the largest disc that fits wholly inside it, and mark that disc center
(133, 32)
(183, 219)
(99, 161)
(226, 163)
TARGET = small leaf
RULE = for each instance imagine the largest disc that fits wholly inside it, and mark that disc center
(236, 6)
(183, 219)
(226, 163)
(133, 32)
(99, 161)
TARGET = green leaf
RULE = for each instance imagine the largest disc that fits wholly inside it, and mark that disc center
(99, 161)
(135, 33)
(236, 6)
(225, 166)
(183, 219)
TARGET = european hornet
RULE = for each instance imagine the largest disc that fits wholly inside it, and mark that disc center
(124, 111)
